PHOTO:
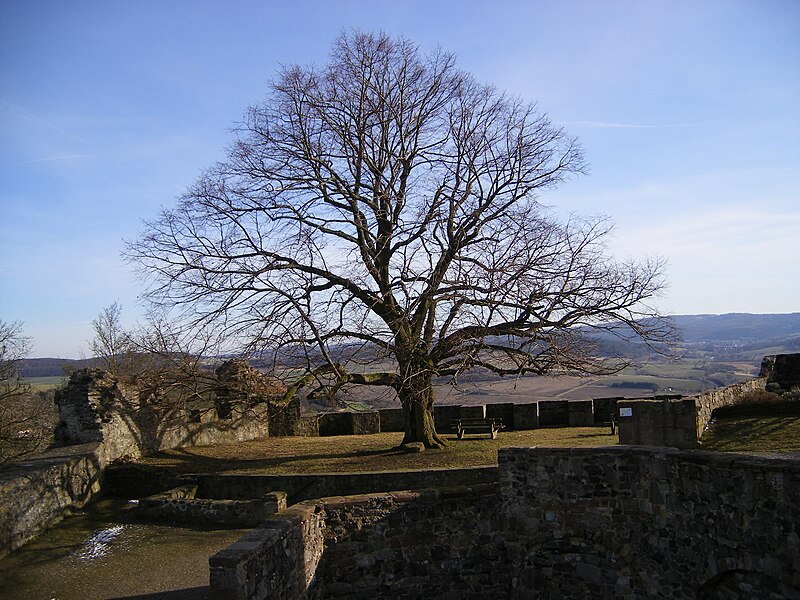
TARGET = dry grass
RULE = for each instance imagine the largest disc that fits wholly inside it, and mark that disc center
(380, 452)
(377, 452)
(773, 434)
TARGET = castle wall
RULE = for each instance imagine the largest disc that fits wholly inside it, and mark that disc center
(677, 423)
(403, 545)
(39, 492)
(617, 522)
(650, 523)
(94, 407)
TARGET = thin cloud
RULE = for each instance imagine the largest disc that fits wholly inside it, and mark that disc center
(63, 157)
(615, 125)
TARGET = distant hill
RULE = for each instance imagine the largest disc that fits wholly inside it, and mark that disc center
(734, 336)
(739, 336)
(53, 367)
(737, 327)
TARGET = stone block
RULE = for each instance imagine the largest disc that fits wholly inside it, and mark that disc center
(604, 409)
(476, 411)
(553, 413)
(580, 413)
(444, 415)
(392, 419)
(503, 411)
(349, 423)
(526, 416)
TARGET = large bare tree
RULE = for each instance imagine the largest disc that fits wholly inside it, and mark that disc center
(381, 216)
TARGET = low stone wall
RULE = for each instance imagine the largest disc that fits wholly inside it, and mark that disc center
(320, 485)
(279, 560)
(287, 420)
(183, 505)
(39, 492)
(349, 423)
(554, 413)
(580, 413)
(650, 523)
(403, 545)
(392, 419)
(708, 402)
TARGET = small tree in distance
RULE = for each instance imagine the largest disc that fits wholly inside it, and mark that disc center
(379, 219)
(25, 415)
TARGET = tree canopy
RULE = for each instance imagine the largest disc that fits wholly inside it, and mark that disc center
(380, 217)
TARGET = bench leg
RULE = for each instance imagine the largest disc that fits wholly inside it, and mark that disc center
(494, 434)
(461, 434)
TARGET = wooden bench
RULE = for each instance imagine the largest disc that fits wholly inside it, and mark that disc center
(490, 426)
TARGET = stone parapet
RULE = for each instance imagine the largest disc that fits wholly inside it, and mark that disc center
(39, 492)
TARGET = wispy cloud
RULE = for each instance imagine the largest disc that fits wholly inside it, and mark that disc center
(61, 158)
(615, 125)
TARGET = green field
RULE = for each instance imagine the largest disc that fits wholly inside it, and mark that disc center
(45, 383)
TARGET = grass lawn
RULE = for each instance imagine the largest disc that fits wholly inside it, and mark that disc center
(772, 433)
(376, 452)
(754, 434)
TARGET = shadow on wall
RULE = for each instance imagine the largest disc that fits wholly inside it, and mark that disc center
(129, 422)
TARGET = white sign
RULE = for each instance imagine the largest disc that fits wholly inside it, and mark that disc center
(625, 412)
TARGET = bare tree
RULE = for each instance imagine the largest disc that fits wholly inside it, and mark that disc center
(23, 416)
(381, 217)
(170, 366)
(112, 345)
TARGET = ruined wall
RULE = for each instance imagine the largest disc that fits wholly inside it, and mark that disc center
(618, 522)
(319, 485)
(95, 407)
(781, 369)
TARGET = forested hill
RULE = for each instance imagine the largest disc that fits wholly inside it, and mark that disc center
(738, 327)
(730, 336)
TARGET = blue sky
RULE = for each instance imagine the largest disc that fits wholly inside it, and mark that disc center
(689, 113)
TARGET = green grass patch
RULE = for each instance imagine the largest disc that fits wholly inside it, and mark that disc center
(40, 384)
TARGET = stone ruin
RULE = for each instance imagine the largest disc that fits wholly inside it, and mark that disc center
(131, 420)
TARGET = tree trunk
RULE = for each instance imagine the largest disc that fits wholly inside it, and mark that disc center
(416, 395)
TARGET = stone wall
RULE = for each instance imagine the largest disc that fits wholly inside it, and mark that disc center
(39, 492)
(618, 522)
(708, 402)
(650, 523)
(183, 505)
(677, 423)
(278, 560)
(782, 369)
(349, 423)
(96, 407)
(287, 420)
(303, 487)
(389, 545)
